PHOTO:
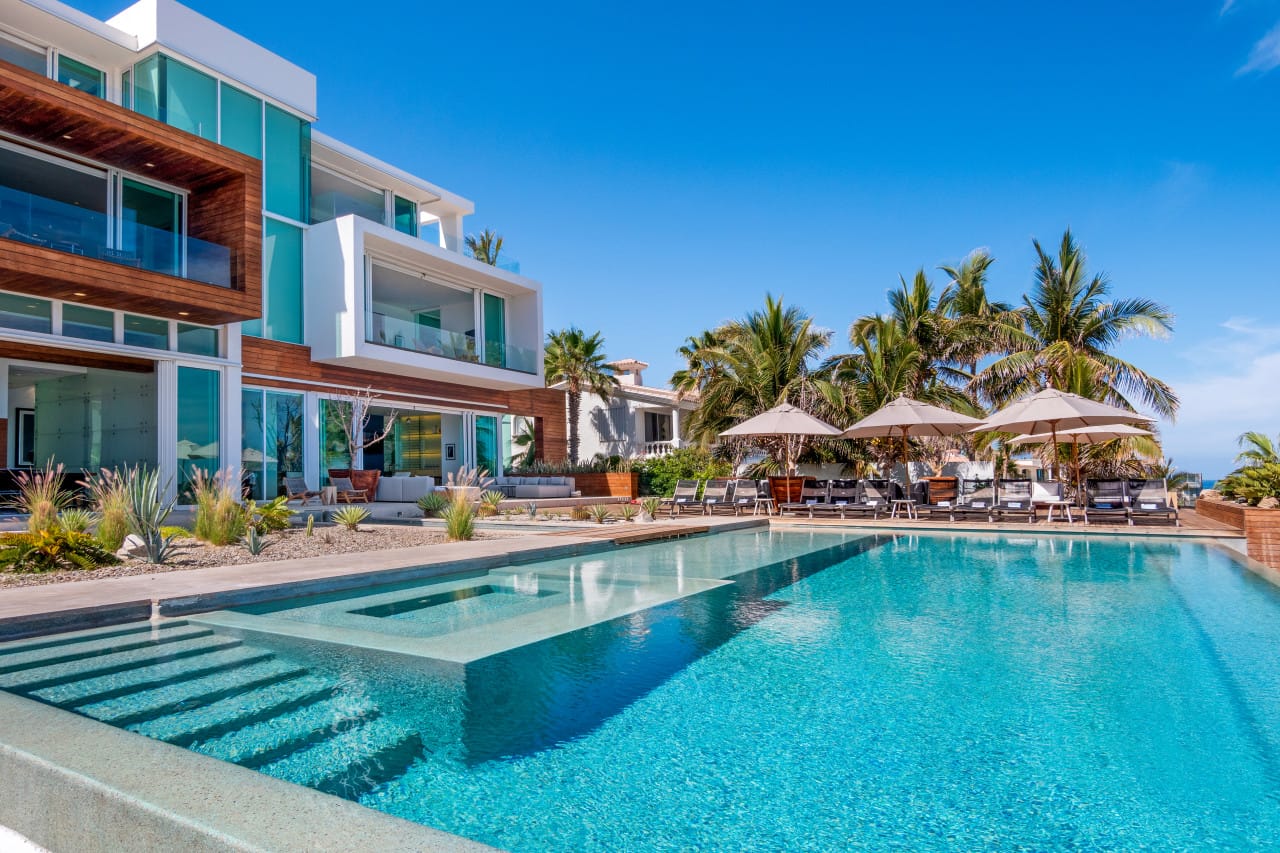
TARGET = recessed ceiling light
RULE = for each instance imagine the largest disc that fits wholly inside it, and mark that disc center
(184, 313)
(149, 165)
(66, 136)
(78, 293)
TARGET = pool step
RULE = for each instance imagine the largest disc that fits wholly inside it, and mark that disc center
(43, 655)
(236, 711)
(38, 677)
(353, 762)
(190, 695)
(157, 674)
(268, 740)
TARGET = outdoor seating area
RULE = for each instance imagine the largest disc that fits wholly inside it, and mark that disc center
(708, 497)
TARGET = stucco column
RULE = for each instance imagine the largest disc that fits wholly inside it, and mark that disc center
(675, 426)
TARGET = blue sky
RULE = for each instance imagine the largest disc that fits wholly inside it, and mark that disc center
(661, 167)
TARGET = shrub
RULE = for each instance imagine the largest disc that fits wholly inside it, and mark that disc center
(173, 531)
(52, 551)
(651, 506)
(106, 491)
(254, 542)
(432, 504)
(76, 520)
(459, 521)
(271, 516)
(599, 513)
(147, 510)
(41, 497)
(658, 476)
(628, 512)
(220, 520)
(489, 502)
(351, 517)
(579, 513)
(1252, 484)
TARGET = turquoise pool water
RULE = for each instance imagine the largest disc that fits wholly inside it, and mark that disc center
(793, 691)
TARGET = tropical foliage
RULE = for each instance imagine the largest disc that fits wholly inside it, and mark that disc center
(52, 550)
(577, 360)
(658, 476)
(485, 247)
(1258, 476)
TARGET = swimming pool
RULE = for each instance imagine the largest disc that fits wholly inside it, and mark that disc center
(749, 690)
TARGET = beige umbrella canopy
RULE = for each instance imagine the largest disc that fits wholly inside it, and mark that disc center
(1083, 435)
(1051, 411)
(910, 417)
(787, 422)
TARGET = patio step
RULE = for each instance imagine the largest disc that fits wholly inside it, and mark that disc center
(243, 708)
(189, 694)
(159, 673)
(37, 677)
(353, 762)
(47, 654)
(271, 739)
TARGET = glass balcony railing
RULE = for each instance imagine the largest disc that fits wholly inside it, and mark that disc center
(41, 221)
(408, 335)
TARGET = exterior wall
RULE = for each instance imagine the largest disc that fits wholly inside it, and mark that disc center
(616, 427)
(1261, 527)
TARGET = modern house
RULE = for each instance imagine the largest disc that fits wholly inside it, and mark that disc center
(190, 273)
(636, 421)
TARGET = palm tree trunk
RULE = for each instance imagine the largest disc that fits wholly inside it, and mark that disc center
(575, 403)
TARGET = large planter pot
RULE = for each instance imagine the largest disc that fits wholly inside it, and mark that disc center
(942, 488)
(787, 489)
(625, 485)
(360, 479)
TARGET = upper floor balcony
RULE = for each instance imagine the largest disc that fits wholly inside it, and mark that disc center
(104, 207)
(382, 300)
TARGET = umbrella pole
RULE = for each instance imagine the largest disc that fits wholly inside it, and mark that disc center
(1054, 428)
(906, 465)
(1075, 462)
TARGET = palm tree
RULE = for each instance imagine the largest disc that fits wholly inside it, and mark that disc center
(1259, 449)
(964, 300)
(1067, 324)
(485, 246)
(750, 365)
(578, 361)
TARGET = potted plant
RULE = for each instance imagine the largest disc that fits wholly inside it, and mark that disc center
(353, 411)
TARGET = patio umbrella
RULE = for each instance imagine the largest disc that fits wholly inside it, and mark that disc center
(1083, 435)
(787, 422)
(1051, 410)
(910, 417)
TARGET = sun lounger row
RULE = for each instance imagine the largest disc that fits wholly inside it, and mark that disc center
(1129, 501)
(713, 496)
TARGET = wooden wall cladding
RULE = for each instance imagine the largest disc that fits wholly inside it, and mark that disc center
(76, 358)
(284, 362)
(225, 204)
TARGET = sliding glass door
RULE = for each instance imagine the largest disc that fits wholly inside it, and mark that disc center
(151, 226)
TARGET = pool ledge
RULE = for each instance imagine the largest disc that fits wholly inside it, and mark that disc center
(71, 783)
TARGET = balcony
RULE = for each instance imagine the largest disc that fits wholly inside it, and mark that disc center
(40, 221)
(408, 335)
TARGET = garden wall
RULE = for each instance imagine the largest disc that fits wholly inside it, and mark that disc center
(1261, 527)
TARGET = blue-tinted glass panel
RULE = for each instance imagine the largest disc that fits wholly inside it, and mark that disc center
(333, 195)
(287, 164)
(91, 324)
(197, 340)
(199, 414)
(31, 58)
(25, 313)
(126, 90)
(241, 121)
(151, 229)
(177, 94)
(406, 213)
(80, 76)
(146, 332)
(282, 282)
(487, 443)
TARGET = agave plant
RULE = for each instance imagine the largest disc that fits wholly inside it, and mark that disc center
(628, 512)
(76, 520)
(489, 502)
(651, 505)
(432, 504)
(351, 517)
(531, 509)
(599, 513)
(254, 542)
(147, 509)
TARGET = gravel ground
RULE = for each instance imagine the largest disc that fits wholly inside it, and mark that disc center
(287, 545)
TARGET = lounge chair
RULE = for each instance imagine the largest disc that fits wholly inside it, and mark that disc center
(841, 494)
(686, 495)
(1149, 500)
(931, 507)
(715, 494)
(295, 489)
(811, 493)
(746, 495)
(1014, 502)
(1107, 499)
(873, 498)
(348, 493)
(718, 497)
(977, 498)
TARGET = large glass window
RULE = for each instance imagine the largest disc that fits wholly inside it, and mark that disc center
(147, 332)
(90, 419)
(271, 427)
(333, 195)
(411, 313)
(281, 284)
(24, 55)
(199, 414)
(406, 213)
(49, 203)
(177, 94)
(333, 439)
(91, 324)
(26, 313)
(126, 90)
(241, 121)
(415, 445)
(197, 340)
(495, 330)
(151, 226)
(80, 76)
(487, 444)
(287, 164)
